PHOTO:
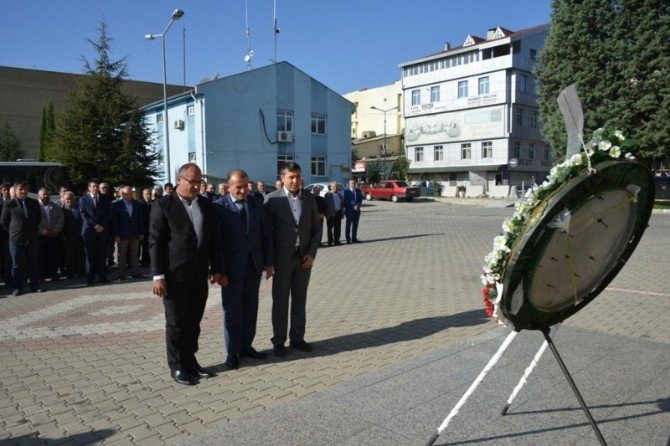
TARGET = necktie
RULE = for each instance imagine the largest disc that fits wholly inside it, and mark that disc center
(95, 201)
(25, 209)
(243, 214)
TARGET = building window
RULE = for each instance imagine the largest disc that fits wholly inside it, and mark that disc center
(533, 120)
(487, 149)
(282, 160)
(284, 120)
(416, 97)
(523, 83)
(466, 151)
(318, 124)
(418, 154)
(190, 110)
(531, 151)
(517, 150)
(484, 85)
(547, 152)
(439, 153)
(319, 166)
(519, 117)
(159, 118)
(533, 55)
(191, 157)
(463, 89)
(435, 94)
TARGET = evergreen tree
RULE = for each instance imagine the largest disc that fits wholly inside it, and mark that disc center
(10, 144)
(101, 131)
(618, 53)
(400, 168)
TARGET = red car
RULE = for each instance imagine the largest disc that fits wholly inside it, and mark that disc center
(393, 190)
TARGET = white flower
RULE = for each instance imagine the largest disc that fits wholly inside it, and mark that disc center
(576, 159)
(619, 135)
(630, 156)
(604, 145)
(615, 152)
(590, 151)
(500, 245)
(507, 226)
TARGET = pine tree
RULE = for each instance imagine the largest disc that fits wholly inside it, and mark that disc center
(10, 144)
(618, 54)
(101, 132)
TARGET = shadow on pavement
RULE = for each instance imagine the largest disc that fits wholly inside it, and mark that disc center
(93, 437)
(400, 237)
(662, 403)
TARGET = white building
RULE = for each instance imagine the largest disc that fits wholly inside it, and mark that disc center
(257, 121)
(368, 122)
(471, 114)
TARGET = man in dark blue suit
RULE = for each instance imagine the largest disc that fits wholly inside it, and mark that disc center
(95, 211)
(353, 198)
(128, 231)
(245, 247)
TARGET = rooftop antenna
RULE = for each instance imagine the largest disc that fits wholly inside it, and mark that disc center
(250, 52)
(183, 30)
(276, 29)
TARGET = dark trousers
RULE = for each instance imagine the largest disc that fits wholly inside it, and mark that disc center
(6, 260)
(95, 247)
(240, 309)
(291, 281)
(73, 256)
(24, 262)
(49, 256)
(351, 225)
(184, 307)
(334, 227)
(145, 260)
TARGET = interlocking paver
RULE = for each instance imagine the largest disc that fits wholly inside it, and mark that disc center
(94, 357)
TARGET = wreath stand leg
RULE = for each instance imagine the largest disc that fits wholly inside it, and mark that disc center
(528, 371)
(565, 371)
(492, 362)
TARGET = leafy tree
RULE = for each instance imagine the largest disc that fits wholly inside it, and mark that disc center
(47, 131)
(400, 169)
(373, 172)
(10, 144)
(618, 53)
(102, 133)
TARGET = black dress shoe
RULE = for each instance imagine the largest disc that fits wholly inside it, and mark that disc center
(138, 276)
(103, 281)
(356, 240)
(232, 362)
(35, 289)
(338, 242)
(280, 350)
(301, 345)
(184, 378)
(203, 373)
(16, 292)
(121, 278)
(253, 353)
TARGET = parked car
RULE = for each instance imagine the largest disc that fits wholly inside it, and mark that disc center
(393, 190)
(426, 189)
(325, 187)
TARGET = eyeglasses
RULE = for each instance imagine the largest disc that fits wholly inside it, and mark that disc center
(191, 182)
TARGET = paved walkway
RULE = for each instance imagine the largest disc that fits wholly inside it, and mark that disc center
(86, 365)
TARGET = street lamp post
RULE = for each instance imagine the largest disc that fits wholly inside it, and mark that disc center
(384, 147)
(176, 15)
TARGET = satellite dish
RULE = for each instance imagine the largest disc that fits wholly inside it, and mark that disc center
(513, 162)
(575, 243)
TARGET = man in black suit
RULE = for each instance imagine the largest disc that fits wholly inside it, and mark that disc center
(21, 218)
(295, 225)
(334, 212)
(184, 247)
(95, 211)
(146, 203)
(5, 258)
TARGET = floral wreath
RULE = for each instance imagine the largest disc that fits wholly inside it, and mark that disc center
(604, 145)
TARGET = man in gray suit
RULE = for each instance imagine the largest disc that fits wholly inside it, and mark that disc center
(334, 213)
(294, 222)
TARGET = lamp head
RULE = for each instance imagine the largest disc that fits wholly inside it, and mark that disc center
(149, 36)
(176, 15)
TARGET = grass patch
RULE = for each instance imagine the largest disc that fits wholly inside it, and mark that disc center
(662, 203)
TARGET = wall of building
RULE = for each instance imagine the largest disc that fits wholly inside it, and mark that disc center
(23, 93)
(366, 119)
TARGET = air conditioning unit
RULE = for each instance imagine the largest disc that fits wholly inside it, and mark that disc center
(369, 134)
(283, 136)
(179, 124)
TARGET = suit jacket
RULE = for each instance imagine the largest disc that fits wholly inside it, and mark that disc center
(351, 199)
(72, 224)
(173, 242)
(125, 225)
(146, 213)
(21, 230)
(94, 216)
(55, 221)
(236, 243)
(284, 230)
(330, 203)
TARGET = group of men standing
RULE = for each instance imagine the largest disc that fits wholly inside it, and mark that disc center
(232, 241)
(337, 204)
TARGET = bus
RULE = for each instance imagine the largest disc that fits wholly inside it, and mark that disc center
(36, 173)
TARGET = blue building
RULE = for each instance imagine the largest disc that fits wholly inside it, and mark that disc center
(257, 121)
